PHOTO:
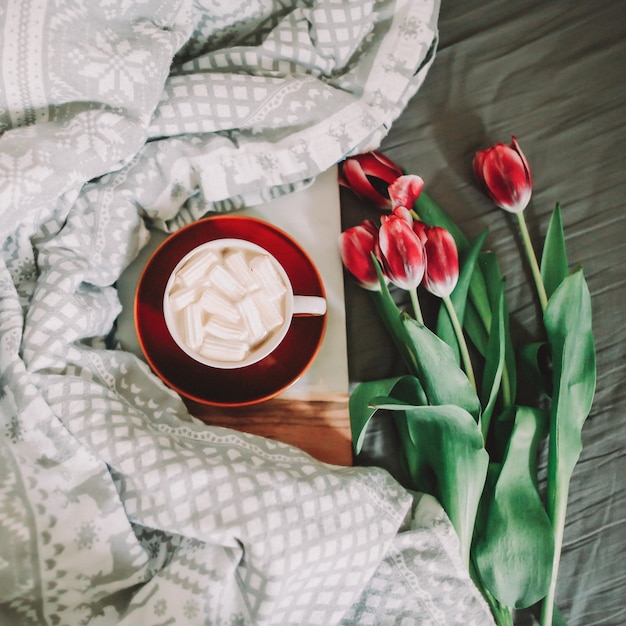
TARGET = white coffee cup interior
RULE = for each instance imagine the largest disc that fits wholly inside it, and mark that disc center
(229, 303)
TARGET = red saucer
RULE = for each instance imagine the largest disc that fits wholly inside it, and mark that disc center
(201, 383)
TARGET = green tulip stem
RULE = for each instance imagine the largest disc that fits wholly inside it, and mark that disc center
(416, 305)
(458, 331)
(547, 604)
(556, 510)
(532, 259)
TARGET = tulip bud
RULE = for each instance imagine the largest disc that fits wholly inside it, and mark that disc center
(401, 253)
(442, 262)
(356, 245)
(404, 191)
(369, 176)
(504, 172)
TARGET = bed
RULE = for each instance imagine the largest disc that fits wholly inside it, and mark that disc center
(119, 507)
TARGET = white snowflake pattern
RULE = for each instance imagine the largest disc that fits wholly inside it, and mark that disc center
(6, 286)
(160, 606)
(93, 132)
(14, 430)
(411, 28)
(190, 609)
(178, 190)
(116, 8)
(20, 176)
(267, 161)
(26, 272)
(117, 66)
(154, 549)
(86, 535)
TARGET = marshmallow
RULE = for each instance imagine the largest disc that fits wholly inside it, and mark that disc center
(223, 280)
(269, 311)
(252, 317)
(220, 350)
(236, 263)
(212, 302)
(263, 268)
(182, 297)
(192, 324)
(197, 267)
(223, 329)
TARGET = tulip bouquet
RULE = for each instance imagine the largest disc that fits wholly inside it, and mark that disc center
(466, 438)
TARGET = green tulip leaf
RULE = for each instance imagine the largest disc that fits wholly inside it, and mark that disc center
(409, 391)
(360, 409)
(494, 363)
(490, 268)
(568, 325)
(444, 382)
(458, 297)
(404, 390)
(514, 546)
(495, 286)
(479, 299)
(567, 320)
(449, 445)
(530, 368)
(554, 268)
(501, 429)
(475, 327)
(430, 213)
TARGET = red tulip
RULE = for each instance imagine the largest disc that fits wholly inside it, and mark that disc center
(401, 253)
(404, 191)
(398, 211)
(368, 176)
(442, 262)
(356, 245)
(504, 172)
(420, 228)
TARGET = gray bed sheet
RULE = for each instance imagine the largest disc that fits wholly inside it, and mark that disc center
(551, 73)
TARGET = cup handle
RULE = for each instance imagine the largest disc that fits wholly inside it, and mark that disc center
(309, 305)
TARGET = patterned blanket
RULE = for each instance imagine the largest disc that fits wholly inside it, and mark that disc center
(117, 506)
